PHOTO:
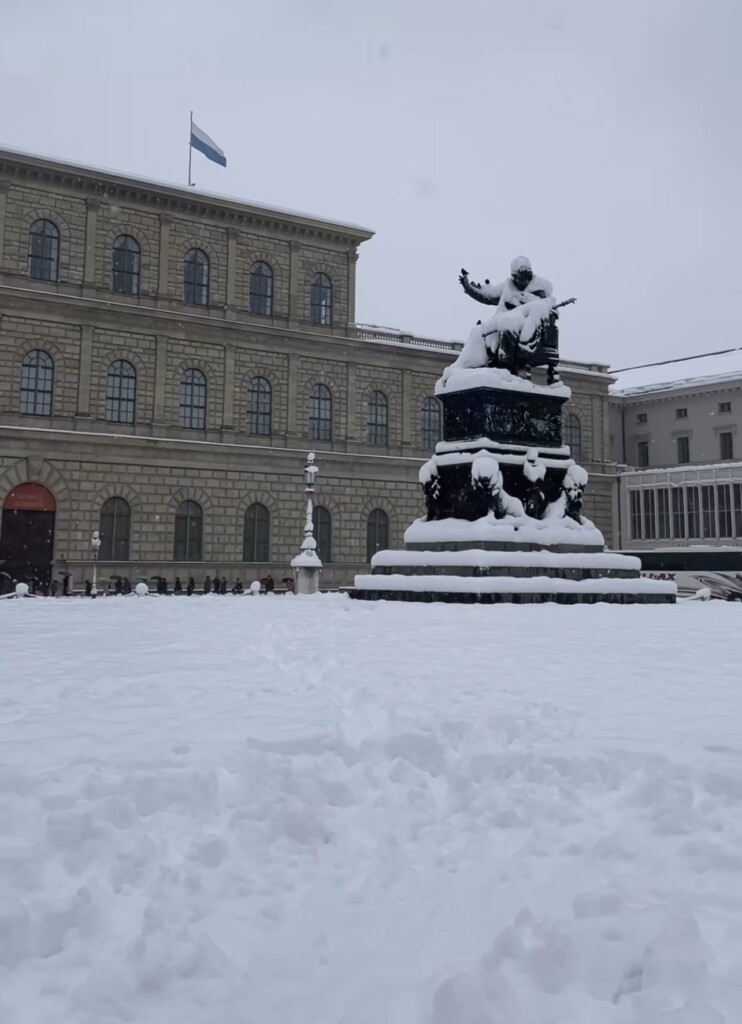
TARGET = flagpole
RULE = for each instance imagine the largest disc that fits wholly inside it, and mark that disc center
(190, 151)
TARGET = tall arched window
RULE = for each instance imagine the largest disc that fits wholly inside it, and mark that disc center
(189, 531)
(259, 406)
(193, 400)
(377, 532)
(322, 521)
(261, 289)
(37, 383)
(320, 413)
(430, 422)
(256, 535)
(377, 423)
(572, 435)
(125, 265)
(121, 392)
(115, 528)
(43, 251)
(320, 300)
(196, 277)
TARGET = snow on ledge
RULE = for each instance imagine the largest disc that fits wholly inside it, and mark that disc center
(475, 557)
(486, 443)
(512, 585)
(520, 530)
(306, 560)
(462, 379)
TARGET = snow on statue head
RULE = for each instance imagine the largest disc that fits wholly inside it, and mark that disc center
(521, 272)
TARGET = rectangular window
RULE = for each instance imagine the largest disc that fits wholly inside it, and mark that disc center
(642, 453)
(678, 513)
(636, 515)
(683, 449)
(694, 512)
(725, 407)
(737, 496)
(724, 498)
(726, 445)
(650, 530)
(663, 512)
(641, 417)
(708, 503)
(681, 414)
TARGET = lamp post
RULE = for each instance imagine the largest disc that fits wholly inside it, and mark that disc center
(96, 547)
(306, 564)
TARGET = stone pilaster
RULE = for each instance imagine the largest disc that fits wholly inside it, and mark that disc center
(352, 260)
(296, 313)
(163, 268)
(160, 380)
(231, 290)
(406, 408)
(596, 448)
(91, 233)
(351, 426)
(3, 204)
(228, 408)
(86, 363)
(292, 396)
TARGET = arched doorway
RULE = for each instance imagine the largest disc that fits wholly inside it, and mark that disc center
(27, 536)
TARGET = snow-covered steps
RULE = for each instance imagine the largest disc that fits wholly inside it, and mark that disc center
(509, 589)
(476, 562)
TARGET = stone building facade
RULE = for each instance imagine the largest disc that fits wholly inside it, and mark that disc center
(168, 358)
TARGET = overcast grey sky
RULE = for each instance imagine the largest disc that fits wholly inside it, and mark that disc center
(602, 139)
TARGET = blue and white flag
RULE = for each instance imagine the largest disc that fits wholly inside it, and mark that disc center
(206, 145)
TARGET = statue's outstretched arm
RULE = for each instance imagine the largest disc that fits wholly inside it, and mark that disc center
(487, 293)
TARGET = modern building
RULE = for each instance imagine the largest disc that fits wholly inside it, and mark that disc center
(168, 358)
(676, 429)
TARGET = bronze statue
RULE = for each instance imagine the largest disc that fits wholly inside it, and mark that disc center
(523, 331)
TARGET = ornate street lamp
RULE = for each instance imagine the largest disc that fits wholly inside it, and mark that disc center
(307, 565)
(96, 547)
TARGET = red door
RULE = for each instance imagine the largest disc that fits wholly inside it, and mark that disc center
(27, 537)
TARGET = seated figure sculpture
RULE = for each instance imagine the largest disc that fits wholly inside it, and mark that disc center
(523, 331)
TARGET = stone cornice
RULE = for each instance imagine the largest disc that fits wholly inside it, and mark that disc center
(26, 169)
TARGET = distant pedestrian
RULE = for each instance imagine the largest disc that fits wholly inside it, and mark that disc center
(177, 586)
(66, 585)
(88, 588)
(118, 585)
(223, 585)
(207, 584)
(269, 584)
(237, 588)
(126, 586)
(191, 586)
(162, 586)
(55, 586)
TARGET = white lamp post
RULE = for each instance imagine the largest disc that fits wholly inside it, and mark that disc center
(307, 565)
(96, 547)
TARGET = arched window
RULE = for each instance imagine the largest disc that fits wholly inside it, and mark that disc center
(377, 424)
(37, 383)
(193, 400)
(189, 531)
(121, 392)
(43, 251)
(126, 265)
(256, 535)
(320, 300)
(115, 527)
(261, 289)
(259, 406)
(322, 521)
(377, 532)
(196, 277)
(430, 422)
(320, 413)
(572, 435)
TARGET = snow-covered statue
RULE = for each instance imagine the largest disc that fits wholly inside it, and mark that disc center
(523, 331)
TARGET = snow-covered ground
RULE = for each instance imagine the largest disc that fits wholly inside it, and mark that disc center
(316, 811)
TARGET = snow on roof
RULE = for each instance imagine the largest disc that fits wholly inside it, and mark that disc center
(179, 187)
(711, 367)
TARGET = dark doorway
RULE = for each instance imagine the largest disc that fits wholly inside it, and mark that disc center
(27, 537)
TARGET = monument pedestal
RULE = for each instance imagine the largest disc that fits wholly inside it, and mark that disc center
(504, 516)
